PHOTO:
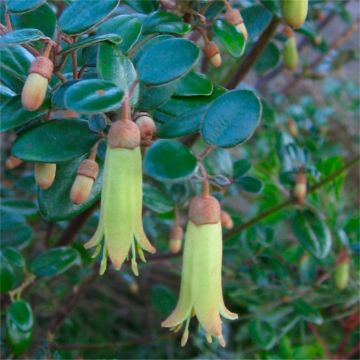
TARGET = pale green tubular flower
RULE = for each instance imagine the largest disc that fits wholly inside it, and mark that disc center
(120, 223)
(201, 288)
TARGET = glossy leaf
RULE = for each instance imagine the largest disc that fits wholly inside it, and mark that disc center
(312, 232)
(55, 203)
(82, 15)
(233, 40)
(194, 84)
(250, 184)
(20, 6)
(19, 206)
(241, 167)
(163, 154)
(176, 56)
(268, 59)
(256, 19)
(42, 143)
(262, 334)
(93, 96)
(19, 324)
(30, 19)
(90, 41)
(13, 114)
(143, 6)
(15, 231)
(14, 66)
(126, 26)
(164, 22)
(156, 200)
(182, 115)
(116, 68)
(231, 119)
(21, 36)
(7, 276)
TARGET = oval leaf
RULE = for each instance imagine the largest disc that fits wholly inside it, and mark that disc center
(156, 200)
(169, 160)
(233, 40)
(82, 15)
(167, 60)
(54, 262)
(21, 36)
(194, 84)
(19, 324)
(20, 6)
(312, 233)
(93, 96)
(231, 119)
(42, 143)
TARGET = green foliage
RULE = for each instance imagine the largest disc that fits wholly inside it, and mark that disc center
(250, 140)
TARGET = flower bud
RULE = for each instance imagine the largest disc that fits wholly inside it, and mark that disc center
(293, 130)
(146, 126)
(342, 271)
(84, 181)
(176, 235)
(12, 162)
(294, 12)
(204, 210)
(45, 174)
(300, 187)
(226, 220)
(234, 17)
(290, 53)
(124, 134)
(35, 87)
(212, 52)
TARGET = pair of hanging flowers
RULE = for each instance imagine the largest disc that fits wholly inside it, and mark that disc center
(120, 232)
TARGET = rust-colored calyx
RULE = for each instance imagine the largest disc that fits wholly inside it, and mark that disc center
(42, 66)
(88, 168)
(124, 134)
(204, 210)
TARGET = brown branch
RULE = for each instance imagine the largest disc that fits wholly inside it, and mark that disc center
(291, 200)
(75, 225)
(254, 53)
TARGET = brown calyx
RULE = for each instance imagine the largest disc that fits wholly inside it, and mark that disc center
(211, 49)
(88, 168)
(233, 17)
(124, 134)
(204, 210)
(288, 31)
(43, 66)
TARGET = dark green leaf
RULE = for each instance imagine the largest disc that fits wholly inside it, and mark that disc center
(176, 56)
(92, 40)
(14, 66)
(55, 261)
(55, 204)
(182, 115)
(194, 84)
(58, 96)
(231, 119)
(256, 19)
(21, 36)
(165, 22)
(13, 256)
(42, 143)
(19, 206)
(219, 162)
(307, 312)
(19, 325)
(262, 334)
(7, 276)
(20, 6)
(268, 59)
(241, 167)
(31, 19)
(5, 93)
(156, 200)
(115, 67)
(250, 184)
(312, 232)
(93, 96)
(163, 299)
(127, 26)
(15, 231)
(169, 160)
(143, 6)
(14, 115)
(233, 40)
(82, 15)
